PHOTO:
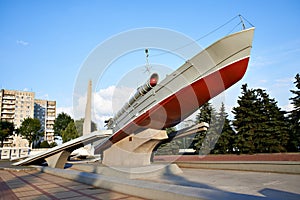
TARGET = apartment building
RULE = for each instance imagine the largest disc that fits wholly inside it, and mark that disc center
(45, 111)
(15, 106)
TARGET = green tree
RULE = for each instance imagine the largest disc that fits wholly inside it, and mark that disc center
(204, 141)
(70, 132)
(274, 126)
(61, 123)
(245, 121)
(204, 114)
(30, 129)
(294, 118)
(225, 143)
(259, 123)
(52, 144)
(79, 126)
(6, 129)
(166, 147)
(44, 144)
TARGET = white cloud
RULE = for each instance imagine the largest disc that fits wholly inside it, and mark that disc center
(288, 107)
(22, 42)
(105, 103)
(108, 101)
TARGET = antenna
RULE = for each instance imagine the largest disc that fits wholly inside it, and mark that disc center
(147, 67)
(242, 21)
(147, 55)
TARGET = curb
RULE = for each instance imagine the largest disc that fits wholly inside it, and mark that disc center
(285, 167)
(141, 188)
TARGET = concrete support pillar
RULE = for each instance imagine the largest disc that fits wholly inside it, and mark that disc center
(58, 160)
(134, 150)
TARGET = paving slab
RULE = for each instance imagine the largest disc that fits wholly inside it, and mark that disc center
(34, 185)
(239, 182)
(191, 184)
(197, 184)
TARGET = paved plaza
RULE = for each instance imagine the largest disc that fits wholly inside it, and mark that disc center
(29, 183)
(34, 185)
(241, 184)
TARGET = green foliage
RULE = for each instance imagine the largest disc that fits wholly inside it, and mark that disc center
(6, 129)
(79, 126)
(260, 125)
(294, 118)
(52, 144)
(204, 141)
(61, 123)
(170, 130)
(170, 148)
(70, 132)
(44, 144)
(225, 143)
(246, 119)
(30, 129)
(205, 113)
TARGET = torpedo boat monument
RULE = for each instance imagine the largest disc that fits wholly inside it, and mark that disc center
(139, 126)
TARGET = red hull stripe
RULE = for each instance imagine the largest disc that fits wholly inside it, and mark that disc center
(183, 103)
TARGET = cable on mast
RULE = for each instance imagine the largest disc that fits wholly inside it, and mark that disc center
(148, 67)
(242, 21)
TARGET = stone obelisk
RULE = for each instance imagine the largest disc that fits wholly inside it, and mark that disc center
(87, 118)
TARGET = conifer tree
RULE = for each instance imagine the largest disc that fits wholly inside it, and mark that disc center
(226, 140)
(205, 141)
(245, 121)
(259, 123)
(294, 118)
(205, 112)
(204, 115)
(273, 129)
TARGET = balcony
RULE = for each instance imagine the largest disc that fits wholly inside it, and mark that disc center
(49, 131)
(8, 112)
(50, 118)
(51, 112)
(5, 102)
(9, 97)
(5, 106)
(8, 119)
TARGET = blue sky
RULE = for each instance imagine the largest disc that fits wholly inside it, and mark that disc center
(43, 44)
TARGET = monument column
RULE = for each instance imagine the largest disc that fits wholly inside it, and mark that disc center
(87, 118)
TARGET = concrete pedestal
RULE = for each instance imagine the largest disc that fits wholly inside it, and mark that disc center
(58, 160)
(134, 150)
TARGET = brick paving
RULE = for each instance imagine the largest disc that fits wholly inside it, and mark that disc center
(34, 185)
